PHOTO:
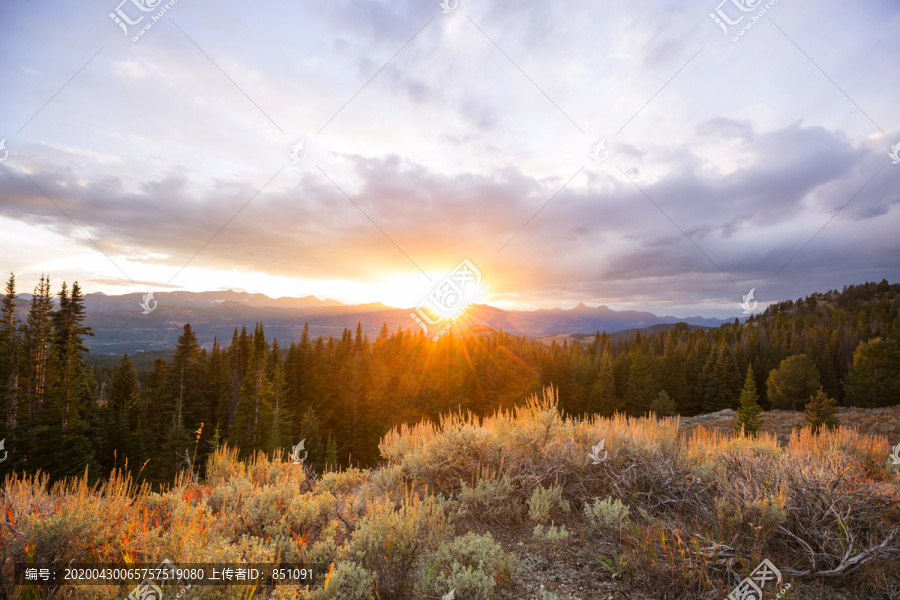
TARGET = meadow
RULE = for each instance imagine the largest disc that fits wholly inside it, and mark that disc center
(524, 503)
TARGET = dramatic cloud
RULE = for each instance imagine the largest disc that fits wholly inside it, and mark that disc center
(434, 137)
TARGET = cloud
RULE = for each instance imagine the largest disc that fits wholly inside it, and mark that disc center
(748, 222)
(455, 148)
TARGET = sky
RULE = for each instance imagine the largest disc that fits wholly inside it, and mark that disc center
(628, 154)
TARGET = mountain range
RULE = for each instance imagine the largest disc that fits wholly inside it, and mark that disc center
(120, 325)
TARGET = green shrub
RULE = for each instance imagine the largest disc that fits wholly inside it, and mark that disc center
(606, 513)
(551, 537)
(546, 501)
(470, 565)
(389, 541)
(490, 501)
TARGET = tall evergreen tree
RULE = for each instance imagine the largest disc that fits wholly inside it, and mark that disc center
(749, 413)
(63, 444)
(37, 333)
(603, 399)
(125, 434)
(639, 388)
(182, 405)
(253, 416)
(10, 354)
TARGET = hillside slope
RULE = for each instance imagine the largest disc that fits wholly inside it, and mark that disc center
(523, 504)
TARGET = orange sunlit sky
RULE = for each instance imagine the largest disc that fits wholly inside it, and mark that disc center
(430, 137)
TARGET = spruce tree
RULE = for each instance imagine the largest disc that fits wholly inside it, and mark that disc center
(36, 333)
(310, 431)
(153, 390)
(218, 386)
(603, 399)
(10, 354)
(125, 432)
(181, 405)
(279, 436)
(663, 405)
(795, 380)
(331, 456)
(183, 388)
(874, 376)
(821, 412)
(749, 414)
(253, 415)
(639, 388)
(63, 443)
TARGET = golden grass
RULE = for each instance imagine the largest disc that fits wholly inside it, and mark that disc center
(701, 501)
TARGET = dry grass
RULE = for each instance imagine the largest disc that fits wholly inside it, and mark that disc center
(666, 512)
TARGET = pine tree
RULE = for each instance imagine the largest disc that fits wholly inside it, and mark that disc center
(63, 439)
(331, 456)
(181, 405)
(874, 376)
(10, 355)
(821, 412)
(749, 414)
(37, 333)
(253, 415)
(795, 380)
(218, 386)
(310, 432)
(663, 405)
(603, 399)
(281, 418)
(639, 388)
(153, 391)
(184, 384)
(125, 432)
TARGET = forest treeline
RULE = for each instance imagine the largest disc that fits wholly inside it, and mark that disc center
(341, 395)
